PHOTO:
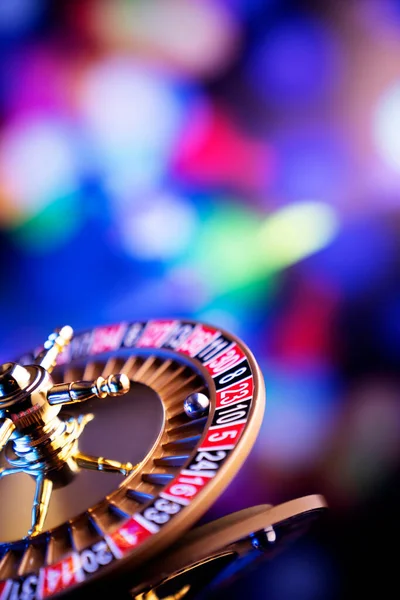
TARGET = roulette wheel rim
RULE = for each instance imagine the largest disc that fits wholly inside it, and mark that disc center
(227, 365)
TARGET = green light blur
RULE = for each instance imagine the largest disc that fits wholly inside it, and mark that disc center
(50, 228)
(295, 232)
(238, 249)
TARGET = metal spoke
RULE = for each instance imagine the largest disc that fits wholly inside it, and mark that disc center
(41, 502)
(55, 343)
(6, 431)
(80, 391)
(99, 463)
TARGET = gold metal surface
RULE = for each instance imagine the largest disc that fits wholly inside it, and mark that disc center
(99, 463)
(42, 444)
(44, 487)
(6, 431)
(152, 595)
(211, 547)
(80, 391)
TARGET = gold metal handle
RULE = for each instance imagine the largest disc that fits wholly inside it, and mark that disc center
(54, 344)
(79, 391)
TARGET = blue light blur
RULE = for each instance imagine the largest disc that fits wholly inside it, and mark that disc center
(297, 63)
(239, 163)
(314, 162)
(18, 17)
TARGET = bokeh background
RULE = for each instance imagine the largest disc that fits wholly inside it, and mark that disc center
(237, 162)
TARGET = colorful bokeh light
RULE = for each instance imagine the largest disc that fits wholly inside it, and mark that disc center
(236, 162)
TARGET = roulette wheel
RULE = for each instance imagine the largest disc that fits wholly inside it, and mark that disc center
(169, 410)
